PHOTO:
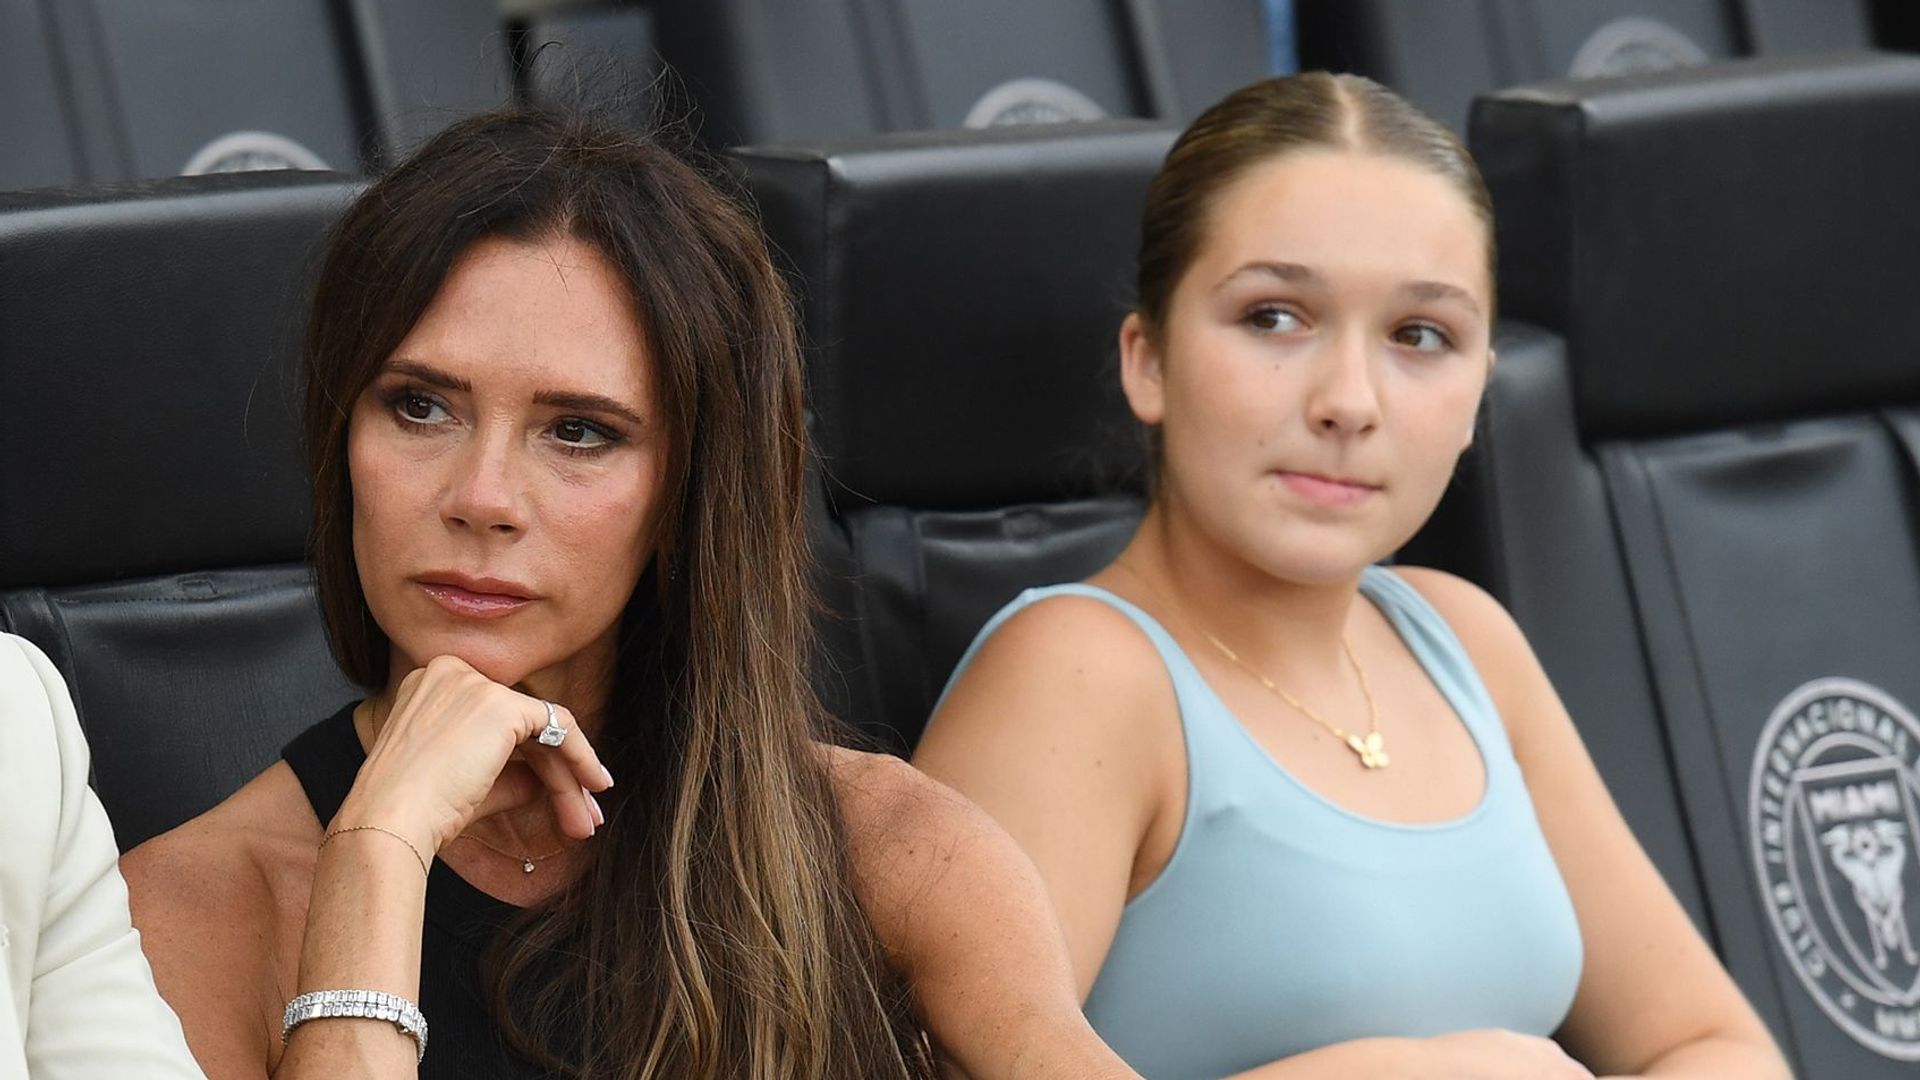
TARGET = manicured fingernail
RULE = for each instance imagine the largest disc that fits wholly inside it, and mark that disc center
(599, 815)
(607, 775)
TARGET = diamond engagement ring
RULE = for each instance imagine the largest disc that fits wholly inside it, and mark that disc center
(553, 734)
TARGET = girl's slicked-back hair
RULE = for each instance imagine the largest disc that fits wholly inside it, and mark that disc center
(713, 930)
(1309, 111)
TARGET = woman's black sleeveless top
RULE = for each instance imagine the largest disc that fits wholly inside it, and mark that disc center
(462, 1039)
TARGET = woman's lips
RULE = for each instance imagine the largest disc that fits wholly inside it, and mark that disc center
(1325, 491)
(471, 604)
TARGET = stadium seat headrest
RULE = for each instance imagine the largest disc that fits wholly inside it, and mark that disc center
(1718, 245)
(962, 293)
(148, 346)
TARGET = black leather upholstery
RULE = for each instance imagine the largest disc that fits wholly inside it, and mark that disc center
(153, 508)
(598, 60)
(1707, 502)
(187, 684)
(161, 87)
(40, 146)
(127, 89)
(428, 64)
(1601, 238)
(961, 293)
(1443, 55)
(767, 70)
(146, 344)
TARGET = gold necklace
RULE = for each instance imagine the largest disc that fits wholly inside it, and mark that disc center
(527, 862)
(1371, 749)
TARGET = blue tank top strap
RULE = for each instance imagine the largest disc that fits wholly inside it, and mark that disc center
(1439, 650)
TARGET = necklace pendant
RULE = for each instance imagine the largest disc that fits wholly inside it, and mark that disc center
(1371, 750)
(526, 866)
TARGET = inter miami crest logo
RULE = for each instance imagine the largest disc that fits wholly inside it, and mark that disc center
(1835, 816)
(249, 151)
(1031, 101)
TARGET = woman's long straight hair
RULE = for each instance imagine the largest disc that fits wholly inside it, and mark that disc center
(714, 929)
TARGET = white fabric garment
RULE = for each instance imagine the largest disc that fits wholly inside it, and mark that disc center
(77, 1000)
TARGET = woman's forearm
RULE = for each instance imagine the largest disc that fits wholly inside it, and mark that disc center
(1717, 1058)
(363, 933)
(1359, 1057)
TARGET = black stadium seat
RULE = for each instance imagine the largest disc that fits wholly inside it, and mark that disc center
(153, 507)
(153, 88)
(1443, 55)
(40, 149)
(781, 70)
(427, 63)
(962, 293)
(1698, 489)
(163, 87)
(599, 60)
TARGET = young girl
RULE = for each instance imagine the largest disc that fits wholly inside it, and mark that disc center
(1299, 814)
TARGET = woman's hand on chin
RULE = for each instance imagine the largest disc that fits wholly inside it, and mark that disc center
(446, 755)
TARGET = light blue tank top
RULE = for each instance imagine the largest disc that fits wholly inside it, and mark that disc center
(1284, 922)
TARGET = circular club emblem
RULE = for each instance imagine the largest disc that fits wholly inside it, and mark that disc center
(1032, 101)
(1834, 809)
(1632, 45)
(248, 151)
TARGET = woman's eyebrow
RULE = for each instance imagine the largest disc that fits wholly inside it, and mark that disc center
(428, 374)
(1427, 291)
(565, 399)
(588, 403)
(1293, 273)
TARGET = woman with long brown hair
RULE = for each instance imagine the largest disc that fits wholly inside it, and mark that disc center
(589, 820)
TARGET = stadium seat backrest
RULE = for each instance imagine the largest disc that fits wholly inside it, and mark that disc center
(602, 61)
(40, 147)
(784, 70)
(153, 506)
(1443, 55)
(961, 294)
(426, 64)
(154, 88)
(1700, 501)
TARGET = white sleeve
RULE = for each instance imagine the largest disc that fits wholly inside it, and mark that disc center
(94, 1013)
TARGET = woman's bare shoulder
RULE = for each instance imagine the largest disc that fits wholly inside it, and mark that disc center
(233, 876)
(1070, 633)
(1065, 670)
(261, 827)
(883, 793)
(909, 834)
(903, 824)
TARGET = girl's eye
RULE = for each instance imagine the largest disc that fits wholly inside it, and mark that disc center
(419, 408)
(1422, 337)
(576, 435)
(1272, 320)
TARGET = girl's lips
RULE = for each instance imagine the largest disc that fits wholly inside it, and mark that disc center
(1322, 491)
(472, 605)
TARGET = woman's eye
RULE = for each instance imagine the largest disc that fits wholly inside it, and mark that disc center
(1273, 320)
(581, 434)
(1421, 337)
(419, 408)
